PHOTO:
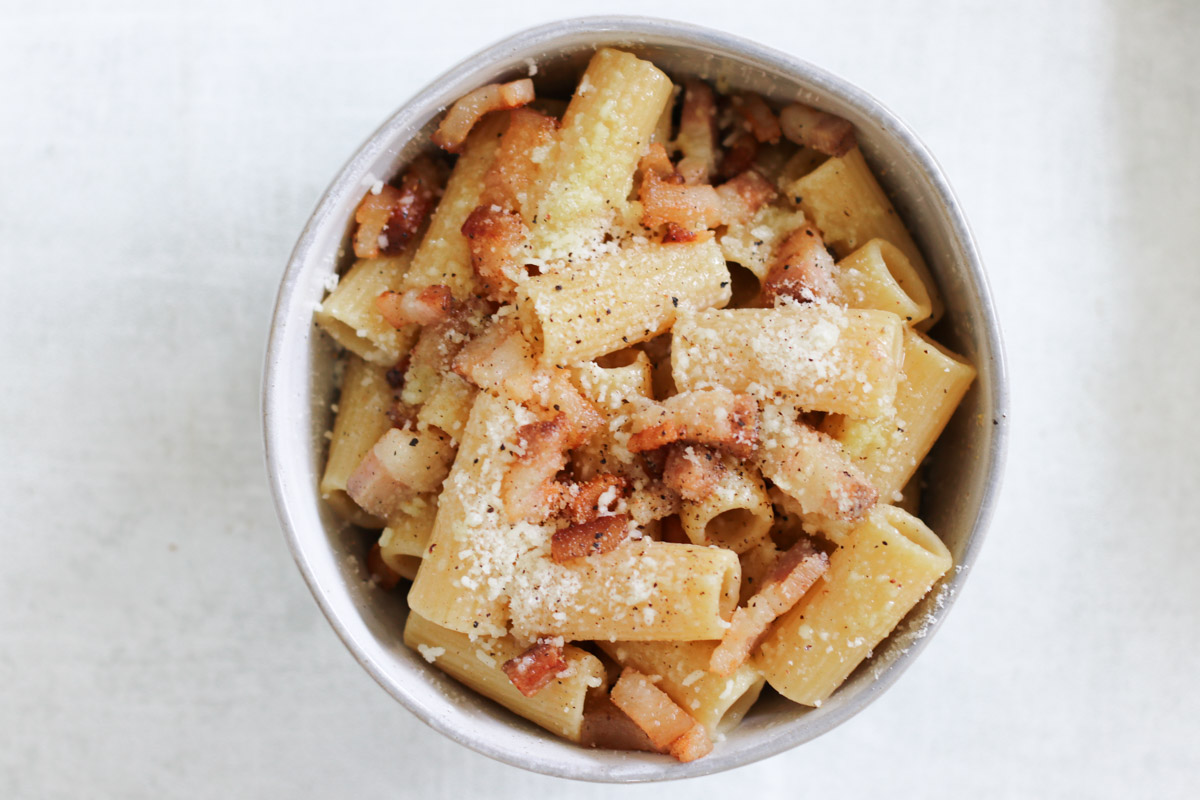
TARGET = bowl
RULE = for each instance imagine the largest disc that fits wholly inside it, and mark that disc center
(299, 382)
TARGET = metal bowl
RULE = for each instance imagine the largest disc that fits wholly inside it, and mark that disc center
(298, 384)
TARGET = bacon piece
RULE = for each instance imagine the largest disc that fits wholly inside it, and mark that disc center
(537, 667)
(372, 217)
(823, 132)
(657, 162)
(608, 727)
(677, 233)
(715, 417)
(470, 108)
(439, 344)
(529, 490)
(594, 538)
(653, 437)
(418, 190)
(666, 199)
(794, 574)
(499, 360)
(427, 306)
(389, 219)
(494, 238)
(740, 154)
(658, 716)
(760, 119)
(742, 196)
(801, 270)
(697, 138)
(588, 499)
(384, 576)
(689, 207)
(513, 173)
(693, 470)
(400, 465)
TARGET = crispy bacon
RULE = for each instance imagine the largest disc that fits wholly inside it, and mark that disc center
(801, 270)
(665, 723)
(687, 209)
(657, 162)
(499, 359)
(760, 119)
(740, 154)
(608, 727)
(513, 173)
(653, 437)
(427, 306)
(668, 201)
(384, 576)
(439, 344)
(537, 667)
(742, 196)
(401, 465)
(677, 233)
(693, 470)
(715, 417)
(388, 220)
(697, 133)
(470, 108)
(823, 132)
(529, 490)
(586, 498)
(494, 238)
(372, 217)
(794, 574)
(594, 538)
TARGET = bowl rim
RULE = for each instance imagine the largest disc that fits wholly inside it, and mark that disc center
(687, 35)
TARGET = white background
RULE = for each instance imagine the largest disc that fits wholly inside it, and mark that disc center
(157, 161)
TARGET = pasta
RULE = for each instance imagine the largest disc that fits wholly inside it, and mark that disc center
(626, 484)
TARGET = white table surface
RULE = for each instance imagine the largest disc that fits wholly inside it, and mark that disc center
(157, 161)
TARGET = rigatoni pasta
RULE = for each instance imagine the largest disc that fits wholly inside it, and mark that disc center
(591, 453)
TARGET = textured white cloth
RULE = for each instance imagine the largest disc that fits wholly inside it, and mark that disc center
(158, 160)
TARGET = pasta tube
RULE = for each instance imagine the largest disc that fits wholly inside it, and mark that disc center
(349, 314)
(605, 131)
(849, 206)
(889, 448)
(557, 707)
(879, 275)
(624, 297)
(874, 579)
(819, 357)
(362, 417)
(715, 702)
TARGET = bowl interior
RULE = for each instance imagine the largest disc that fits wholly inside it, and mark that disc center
(299, 385)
